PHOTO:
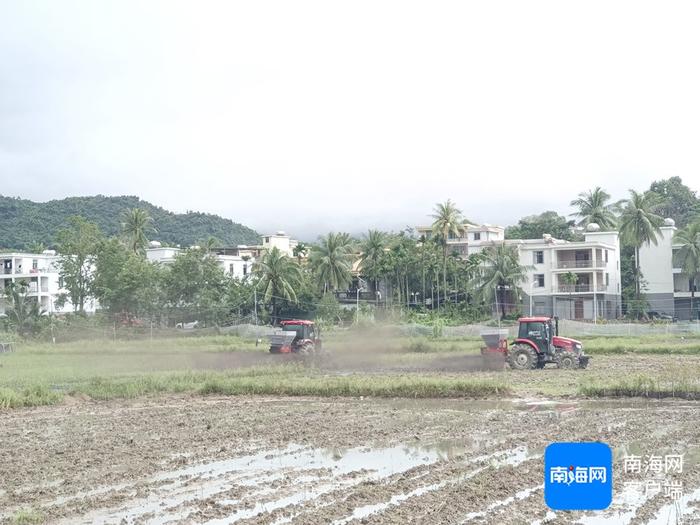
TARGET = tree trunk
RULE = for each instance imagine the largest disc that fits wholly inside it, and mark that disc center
(692, 298)
(444, 270)
(637, 286)
(503, 304)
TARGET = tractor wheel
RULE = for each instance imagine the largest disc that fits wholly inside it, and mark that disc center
(568, 360)
(306, 349)
(522, 357)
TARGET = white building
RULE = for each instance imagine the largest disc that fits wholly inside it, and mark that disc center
(40, 272)
(281, 241)
(666, 287)
(235, 262)
(595, 261)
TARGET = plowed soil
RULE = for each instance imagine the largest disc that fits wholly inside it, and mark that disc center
(177, 459)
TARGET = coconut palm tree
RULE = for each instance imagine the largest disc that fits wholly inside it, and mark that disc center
(22, 311)
(688, 256)
(300, 251)
(372, 251)
(331, 260)
(136, 225)
(594, 206)
(448, 221)
(639, 225)
(570, 279)
(278, 275)
(501, 271)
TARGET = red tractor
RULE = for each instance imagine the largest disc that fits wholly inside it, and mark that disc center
(297, 336)
(537, 344)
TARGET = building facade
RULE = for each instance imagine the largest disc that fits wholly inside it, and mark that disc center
(666, 287)
(40, 272)
(594, 292)
(235, 262)
(281, 241)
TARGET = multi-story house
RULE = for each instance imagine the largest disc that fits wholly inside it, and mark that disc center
(235, 262)
(593, 293)
(40, 272)
(281, 241)
(666, 287)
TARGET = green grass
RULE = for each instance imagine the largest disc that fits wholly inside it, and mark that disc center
(280, 380)
(650, 344)
(42, 373)
(27, 517)
(644, 386)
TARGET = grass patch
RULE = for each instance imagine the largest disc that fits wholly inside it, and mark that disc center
(27, 517)
(35, 395)
(651, 344)
(286, 380)
(357, 386)
(644, 386)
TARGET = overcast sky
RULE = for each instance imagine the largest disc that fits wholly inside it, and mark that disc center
(312, 116)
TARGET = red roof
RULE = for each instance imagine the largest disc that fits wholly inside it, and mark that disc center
(296, 321)
(534, 319)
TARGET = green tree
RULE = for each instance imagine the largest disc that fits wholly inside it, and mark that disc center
(78, 245)
(639, 224)
(36, 247)
(688, 256)
(126, 283)
(278, 276)
(23, 312)
(570, 279)
(331, 261)
(300, 251)
(136, 225)
(677, 201)
(501, 272)
(196, 286)
(593, 206)
(372, 251)
(535, 226)
(447, 222)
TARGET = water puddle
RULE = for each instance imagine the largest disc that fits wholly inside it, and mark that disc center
(676, 512)
(522, 494)
(311, 472)
(498, 459)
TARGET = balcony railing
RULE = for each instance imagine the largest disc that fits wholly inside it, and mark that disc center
(351, 295)
(579, 288)
(587, 263)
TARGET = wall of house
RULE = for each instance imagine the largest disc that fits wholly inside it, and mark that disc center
(656, 263)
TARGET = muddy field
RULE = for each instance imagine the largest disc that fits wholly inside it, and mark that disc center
(176, 459)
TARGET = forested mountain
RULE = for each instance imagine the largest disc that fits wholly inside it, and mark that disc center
(24, 222)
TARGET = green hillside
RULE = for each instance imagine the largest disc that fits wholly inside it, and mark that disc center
(23, 222)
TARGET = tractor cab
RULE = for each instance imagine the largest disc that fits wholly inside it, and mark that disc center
(303, 331)
(538, 330)
(296, 336)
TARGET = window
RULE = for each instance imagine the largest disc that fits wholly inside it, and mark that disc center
(606, 256)
(538, 257)
(477, 236)
(539, 280)
(230, 269)
(60, 282)
(267, 240)
(607, 279)
(245, 269)
(35, 264)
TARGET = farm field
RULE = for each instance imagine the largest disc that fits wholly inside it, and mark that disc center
(382, 430)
